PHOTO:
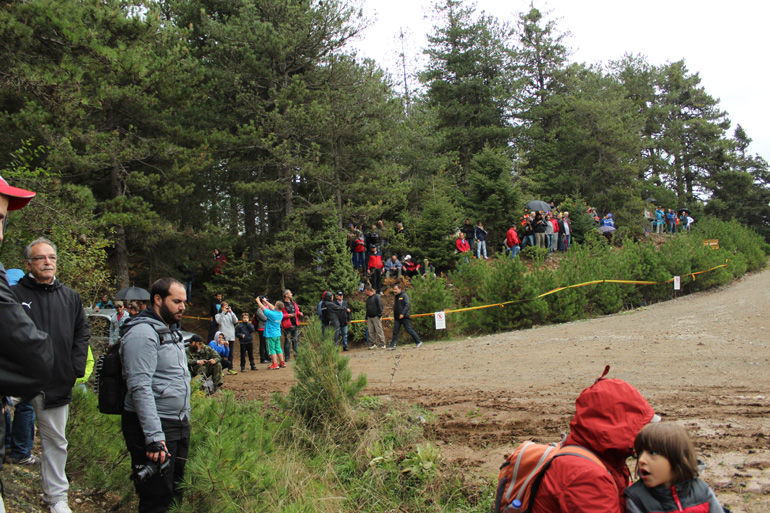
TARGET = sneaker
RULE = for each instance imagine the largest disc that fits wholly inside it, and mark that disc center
(274, 367)
(345, 348)
(282, 365)
(243, 369)
(232, 372)
(29, 460)
(371, 347)
(60, 507)
(418, 344)
(253, 367)
(392, 348)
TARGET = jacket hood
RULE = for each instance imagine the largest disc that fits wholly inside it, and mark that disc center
(146, 316)
(608, 416)
(216, 337)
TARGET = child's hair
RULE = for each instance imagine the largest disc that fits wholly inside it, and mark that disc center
(279, 305)
(673, 443)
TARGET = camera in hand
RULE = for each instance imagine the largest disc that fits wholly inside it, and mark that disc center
(144, 472)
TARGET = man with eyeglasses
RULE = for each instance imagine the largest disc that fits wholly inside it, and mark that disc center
(26, 355)
(58, 310)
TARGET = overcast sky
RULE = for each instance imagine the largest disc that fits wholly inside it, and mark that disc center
(724, 42)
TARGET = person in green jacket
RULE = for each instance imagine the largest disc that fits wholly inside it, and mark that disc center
(203, 360)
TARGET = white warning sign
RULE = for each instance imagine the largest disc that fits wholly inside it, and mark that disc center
(440, 320)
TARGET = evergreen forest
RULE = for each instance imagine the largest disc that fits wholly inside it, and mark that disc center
(156, 131)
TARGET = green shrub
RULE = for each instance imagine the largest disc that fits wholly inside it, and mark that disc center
(357, 330)
(324, 392)
(734, 239)
(103, 463)
(569, 304)
(431, 294)
(467, 281)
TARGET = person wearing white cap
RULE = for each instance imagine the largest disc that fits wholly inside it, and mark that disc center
(26, 353)
(410, 267)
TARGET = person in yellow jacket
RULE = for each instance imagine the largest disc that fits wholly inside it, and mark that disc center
(81, 382)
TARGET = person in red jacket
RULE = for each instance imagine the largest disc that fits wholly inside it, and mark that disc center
(463, 246)
(290, 324)
(512, 241)
(359, 250)
(375, 269)
(608, 416)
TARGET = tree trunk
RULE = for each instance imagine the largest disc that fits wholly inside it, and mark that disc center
(117, 189)
(121, 258)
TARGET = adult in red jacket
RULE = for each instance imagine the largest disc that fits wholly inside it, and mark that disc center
(608, 416)
(512, 241)
(462, 244)
(375, 269)
(290, 324)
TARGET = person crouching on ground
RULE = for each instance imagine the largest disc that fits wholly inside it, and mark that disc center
(274, 316)
(222, 346)
(203, 360)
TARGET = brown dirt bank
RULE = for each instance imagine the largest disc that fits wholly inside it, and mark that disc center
(701, 360)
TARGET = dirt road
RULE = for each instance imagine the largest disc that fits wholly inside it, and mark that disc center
(701, 361)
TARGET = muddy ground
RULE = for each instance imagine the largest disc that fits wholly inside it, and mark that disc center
(701, 361)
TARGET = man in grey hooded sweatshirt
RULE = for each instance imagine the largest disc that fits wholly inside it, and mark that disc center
(157, 408)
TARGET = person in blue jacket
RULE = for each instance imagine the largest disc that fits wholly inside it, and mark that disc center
(222, 346)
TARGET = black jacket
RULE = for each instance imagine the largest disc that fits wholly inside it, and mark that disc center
(244, 333)
(469, 230)
(690, 494)
(342, 314)
(330, 311)
(401, 306)
(290, 307)
(374, 306)
(58, 310)
(26, 353)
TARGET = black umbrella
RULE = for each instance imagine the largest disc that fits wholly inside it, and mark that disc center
(683, 209)
(133, 294)
(538, 206)
(650, 200)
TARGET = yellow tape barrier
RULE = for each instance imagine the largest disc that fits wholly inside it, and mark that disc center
(502, 305)
(594, 282)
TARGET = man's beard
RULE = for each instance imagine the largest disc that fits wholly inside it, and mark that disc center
(166, 314)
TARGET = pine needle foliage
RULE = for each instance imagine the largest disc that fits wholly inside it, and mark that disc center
(325, 392)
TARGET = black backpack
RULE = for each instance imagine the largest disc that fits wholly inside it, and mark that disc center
(109, 385)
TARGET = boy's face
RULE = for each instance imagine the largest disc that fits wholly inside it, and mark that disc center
(654, 469)
(221, 339)
(245, 317)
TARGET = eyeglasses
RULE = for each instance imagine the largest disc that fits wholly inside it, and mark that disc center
(43, 258)
(119, 307)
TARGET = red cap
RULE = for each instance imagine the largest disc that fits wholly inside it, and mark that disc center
(17, 198)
